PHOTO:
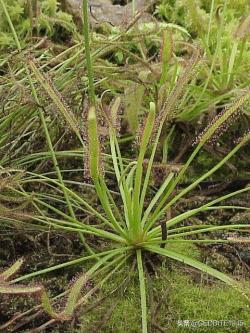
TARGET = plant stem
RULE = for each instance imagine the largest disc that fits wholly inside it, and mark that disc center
(87, 51)
(133, 7)
(210, 22)
(11, 25)
(142, 291)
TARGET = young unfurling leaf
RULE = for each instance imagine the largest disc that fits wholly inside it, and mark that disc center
(93, 144)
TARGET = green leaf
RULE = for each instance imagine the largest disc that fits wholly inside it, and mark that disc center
(19, 290)
(8, 273)
(57, 99)
(146, 136)
(78, 285)
(198, 265)
(94, 146)
(133, 103)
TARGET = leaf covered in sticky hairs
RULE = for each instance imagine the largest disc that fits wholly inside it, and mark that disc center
(57, 98)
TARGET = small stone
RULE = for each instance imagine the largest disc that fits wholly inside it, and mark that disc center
(103, 11)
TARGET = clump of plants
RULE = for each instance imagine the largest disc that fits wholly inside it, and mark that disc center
(34, 18)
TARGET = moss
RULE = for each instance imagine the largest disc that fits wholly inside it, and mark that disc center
(189, 301)
(178, 296)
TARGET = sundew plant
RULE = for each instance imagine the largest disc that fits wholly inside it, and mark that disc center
(131, 221)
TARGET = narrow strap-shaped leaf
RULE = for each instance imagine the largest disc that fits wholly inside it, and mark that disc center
(70, 263)
(198, 265)
(88, 207)
(139, 167)
(94, 145)
(156, 198)
(9, 272)
(113, 203)
(118, 263)
(57, 99)
(79, 284)
(46, 303)
(19, 290)
(94, 162)
(118, 162)
(211, 229)
(194, 211)
(103, 197)
(149, 168)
